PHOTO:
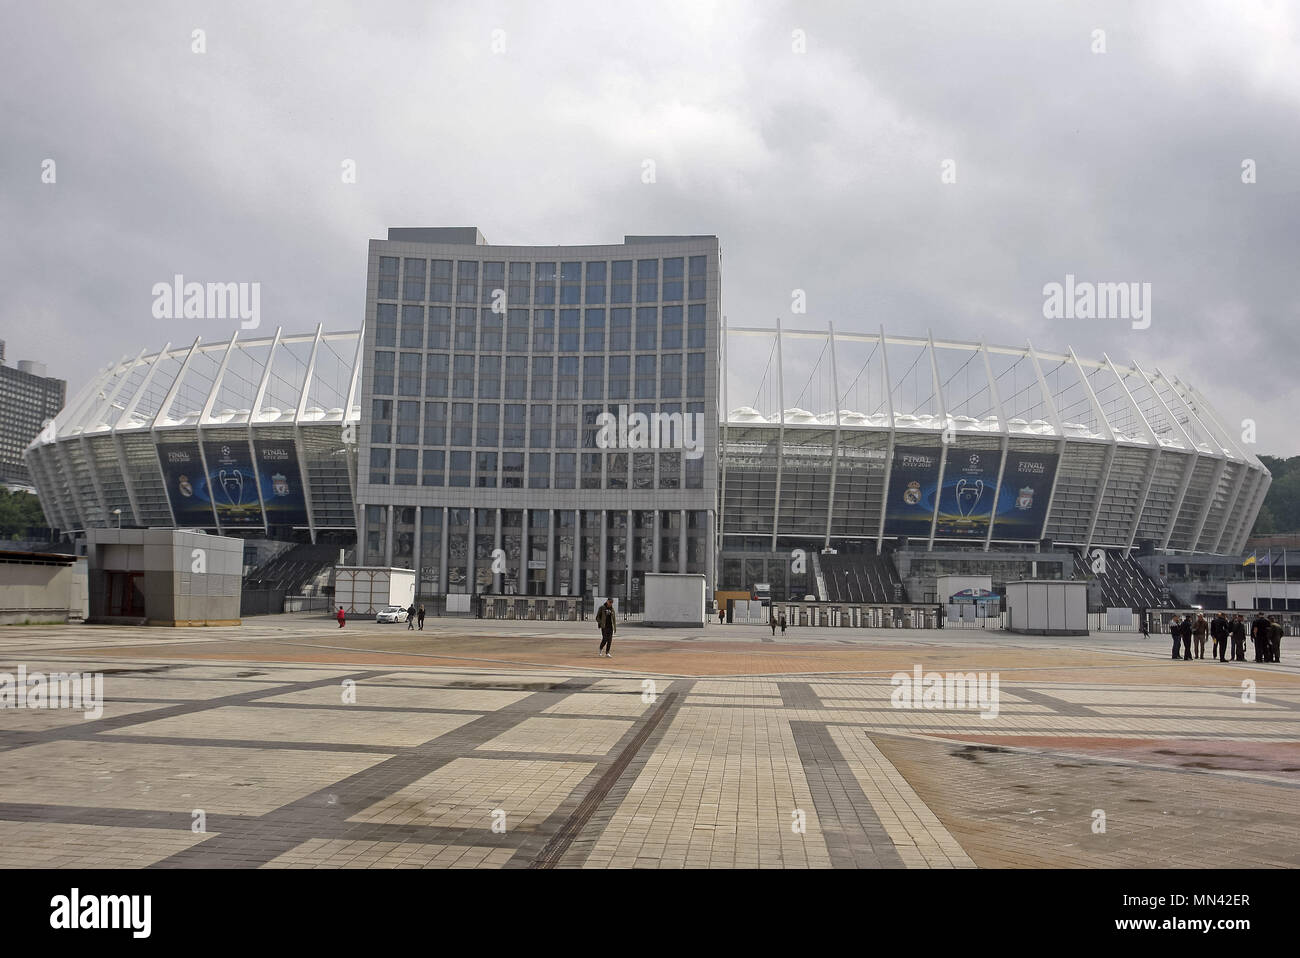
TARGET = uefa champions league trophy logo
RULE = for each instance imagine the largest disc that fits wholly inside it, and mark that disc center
(232, 484)
(968, 495)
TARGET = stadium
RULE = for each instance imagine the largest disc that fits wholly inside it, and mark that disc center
(888, 460)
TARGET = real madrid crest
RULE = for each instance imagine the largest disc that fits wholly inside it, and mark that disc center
(912, 494)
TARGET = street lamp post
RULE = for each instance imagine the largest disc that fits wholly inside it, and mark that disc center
(118, 513)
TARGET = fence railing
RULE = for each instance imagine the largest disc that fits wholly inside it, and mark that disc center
(539, 608)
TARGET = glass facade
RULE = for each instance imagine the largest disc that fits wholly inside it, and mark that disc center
(491, 373)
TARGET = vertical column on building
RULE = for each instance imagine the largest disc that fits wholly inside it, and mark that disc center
(552, 548)
(388, 543)
(710, 558)
(444, 551)
(416, 553)
(525, 549)
(498, 586)
(655, 557)
(681, 540)
(602, 586)
(576, 579)
(629, 547)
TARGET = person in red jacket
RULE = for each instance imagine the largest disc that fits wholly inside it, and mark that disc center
(342, 617)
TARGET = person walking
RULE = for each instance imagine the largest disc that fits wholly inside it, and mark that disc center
(782, 625)
(606, 622)
(1274, 639)
(420, 615)
(1199, 632)
(722, 616)
(1219, 632)
(410, 617)
(1187, 638)
(1146, 628)
(342, 617)
(1176, 630)
(771, 620)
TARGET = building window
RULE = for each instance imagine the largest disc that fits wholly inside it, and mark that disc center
(466, 282)
(379, 465)
(489, 377)
(672, 334)
(462, 380)
(647, 280)
(489, 331)
(385, 324)
(466, 329)
(539, 470)
(437, 370)
(458, 474)
(619, 367)
(698, 276)
(413, 280)
(645, 377)
(485, 475)
(435, 426)
(620, 330)
(408, 380)
(622, 282)
(697, 331)
(408, 466)
(517, 330)
(541, 377)
(488, 418)
(516, 425)
(673, 279)
(544, 287)
(462, 424)
(647, 327)
(408, 423)
(388, 266)
(593, 377)
(440, 281)
(520, 284)
(383, 382)
(595, 283)
(540, 434)
(512, 470)
(433, 469)
(439, 327)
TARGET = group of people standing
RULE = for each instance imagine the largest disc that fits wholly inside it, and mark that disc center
(1265, 634)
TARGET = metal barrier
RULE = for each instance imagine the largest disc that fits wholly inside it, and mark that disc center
(537, 608)
(842, 615)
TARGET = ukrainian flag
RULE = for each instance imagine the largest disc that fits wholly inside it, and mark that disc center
(1250, 561)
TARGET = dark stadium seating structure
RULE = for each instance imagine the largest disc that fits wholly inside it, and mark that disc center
(861, 578)
(1125, 584)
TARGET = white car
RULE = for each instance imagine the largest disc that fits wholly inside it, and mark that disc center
(394, 613)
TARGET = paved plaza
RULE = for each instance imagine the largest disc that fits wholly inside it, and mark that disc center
(289, 743)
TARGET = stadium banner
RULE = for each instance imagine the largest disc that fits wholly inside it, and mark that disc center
(187, 487)
(1022, 501)
(970, 480)
(281, 481)
(232, 483)
(913, 481)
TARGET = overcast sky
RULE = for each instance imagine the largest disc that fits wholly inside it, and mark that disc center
(818, 170)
